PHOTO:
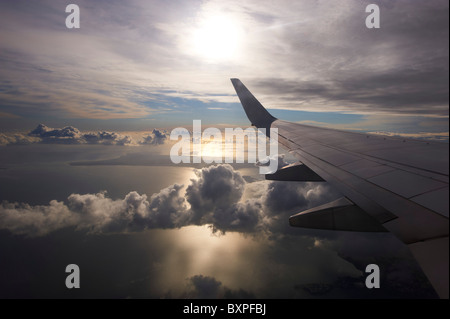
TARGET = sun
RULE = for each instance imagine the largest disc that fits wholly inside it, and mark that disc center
(217, 39)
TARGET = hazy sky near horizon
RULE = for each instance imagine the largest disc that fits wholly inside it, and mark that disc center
(138, 65)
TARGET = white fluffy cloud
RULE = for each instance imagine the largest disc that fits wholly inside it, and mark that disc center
(214, 197)
(37, 220)
(96, 213)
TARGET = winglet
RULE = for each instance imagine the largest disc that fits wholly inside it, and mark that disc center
(256, 113)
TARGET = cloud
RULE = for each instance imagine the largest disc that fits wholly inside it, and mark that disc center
(66, 135)
(96, 213)
(393, 91)
(168, 208)
(322, 58)
(107, 138)
(214, 198)
(23, 219)
(285, 196)
(438, 136)
(206, 287)
(17, 139)
(71, 135)
(216, 187)
(307, 263)
(155, 138)
(244, 217)
(374, 72)
(279, 158)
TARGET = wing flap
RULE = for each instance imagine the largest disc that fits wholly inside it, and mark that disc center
(432, 256)
(295, 173)
(341, 214)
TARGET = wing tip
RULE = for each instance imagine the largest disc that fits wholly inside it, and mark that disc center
(256, 113)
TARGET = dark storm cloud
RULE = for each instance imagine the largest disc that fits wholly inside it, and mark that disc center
(206, 287)
(214, 197)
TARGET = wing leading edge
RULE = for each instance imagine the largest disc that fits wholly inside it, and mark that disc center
(388, 183)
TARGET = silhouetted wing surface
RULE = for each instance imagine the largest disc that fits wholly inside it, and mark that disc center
(388, 183)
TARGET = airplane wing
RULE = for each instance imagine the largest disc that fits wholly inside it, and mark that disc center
(388, 183)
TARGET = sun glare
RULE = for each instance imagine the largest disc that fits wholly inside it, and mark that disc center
(217, 39)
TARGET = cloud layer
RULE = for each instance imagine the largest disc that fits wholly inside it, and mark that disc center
(136, 61)
(214, 197)
(72, 135)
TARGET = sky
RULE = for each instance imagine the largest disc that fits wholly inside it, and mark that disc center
(143, 64)
(85, 120)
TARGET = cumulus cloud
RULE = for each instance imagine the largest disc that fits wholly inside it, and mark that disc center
(214, 198)
(242, 217)
(283, 196)
(39, 220)
(107, 138)
(155, 138)
(17, 139)
(72, 135)
(96, 213)
(279, 158)
(216, 187)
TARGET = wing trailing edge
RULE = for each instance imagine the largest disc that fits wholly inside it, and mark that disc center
(341, 214)
(297, 172)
